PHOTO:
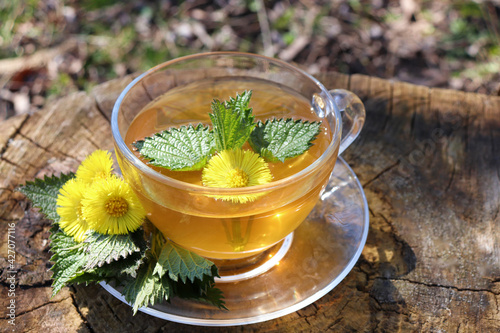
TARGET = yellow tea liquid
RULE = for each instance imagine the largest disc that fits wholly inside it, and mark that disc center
(229, 233)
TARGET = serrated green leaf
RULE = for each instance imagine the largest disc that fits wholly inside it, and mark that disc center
(43, 193)
(68, 260)
(87, 278)
(206, 293)
(214, 296)
(65, 269)
(232, 121)
(146, 288)
(182, 149)
(280, 139)
(61, 242)
(181, 263)
(203, 290)
(140, 291)
(114, 271)
(101, 249)
(76, 262)
(136, 272)
(127, 266)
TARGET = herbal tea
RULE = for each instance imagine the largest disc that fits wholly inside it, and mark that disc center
(225, 229)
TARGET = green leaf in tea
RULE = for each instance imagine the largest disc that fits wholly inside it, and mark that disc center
(280, 139)
(43, 193)
(182, 149)
(232, 121)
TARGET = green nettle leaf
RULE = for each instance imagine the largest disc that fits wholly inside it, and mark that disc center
(179, 149)
(43, 193)
(214, 296)
(168, 271)
(232, 121)
(101, 249)
(279, 139)
(181, 263)
(125, 268)
(68, 259)
(147, 287)
(203, 291)
(106, 258)
(88, 278)
(65, 269)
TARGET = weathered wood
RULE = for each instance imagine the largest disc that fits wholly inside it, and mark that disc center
(427, 158)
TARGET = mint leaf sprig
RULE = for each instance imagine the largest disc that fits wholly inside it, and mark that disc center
(232, 125)
(134, 261)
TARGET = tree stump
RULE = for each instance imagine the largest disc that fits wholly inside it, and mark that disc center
(428, 160)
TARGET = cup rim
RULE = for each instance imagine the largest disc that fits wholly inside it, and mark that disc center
(130, 156)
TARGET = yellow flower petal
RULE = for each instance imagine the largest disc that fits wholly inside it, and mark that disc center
(236, 168)
(69, 208)
(110, 206)
(97, 165)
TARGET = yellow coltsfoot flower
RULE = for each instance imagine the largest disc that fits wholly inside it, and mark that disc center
(236, 168)
(69, 209)
(111, 207)
(97, 165)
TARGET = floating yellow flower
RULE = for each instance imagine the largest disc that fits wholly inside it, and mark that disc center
(111, 207)
(97, 165)
(69, 208)
(236, 168)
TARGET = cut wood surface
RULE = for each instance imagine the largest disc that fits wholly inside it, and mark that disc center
(429, 162)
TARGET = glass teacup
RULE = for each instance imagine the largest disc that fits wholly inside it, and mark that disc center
(194, 216)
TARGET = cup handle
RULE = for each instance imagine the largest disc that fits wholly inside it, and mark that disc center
(353, 116)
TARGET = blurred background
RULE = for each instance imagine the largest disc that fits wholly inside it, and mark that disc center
(51, 48)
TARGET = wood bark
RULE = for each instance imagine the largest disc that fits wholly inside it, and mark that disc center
(428, 160)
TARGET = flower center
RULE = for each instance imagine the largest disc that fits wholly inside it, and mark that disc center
(237, 178)
(79, 211)
(100, 175)
(116, 207)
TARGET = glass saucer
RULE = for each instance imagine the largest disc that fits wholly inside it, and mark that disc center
(324, 249)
